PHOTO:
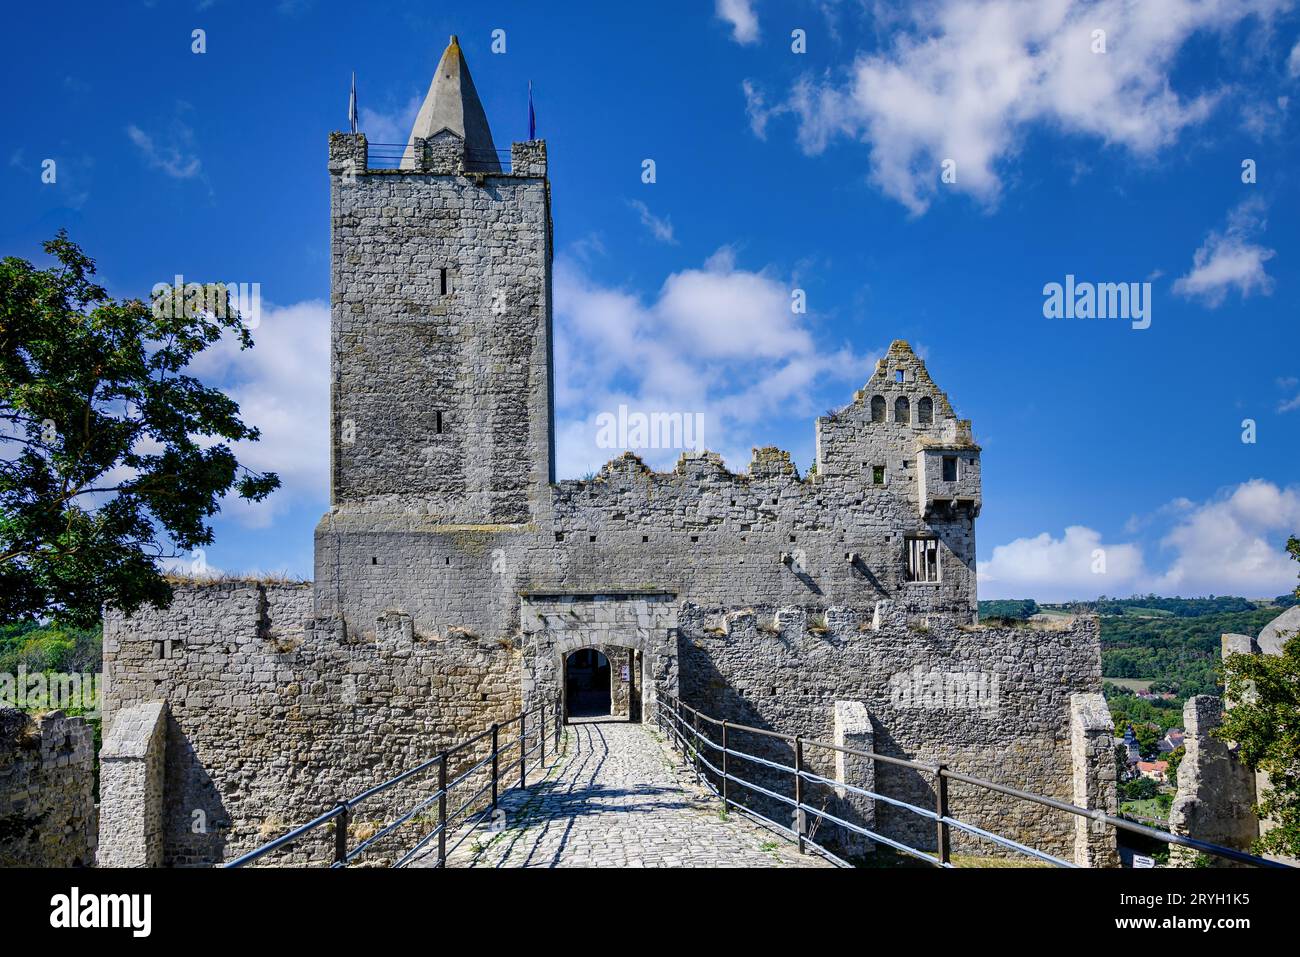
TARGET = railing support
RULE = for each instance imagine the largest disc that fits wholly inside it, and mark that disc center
(523, 751)
(496, 735)
(941, 809)
(696, 746)
(724, 767)
(798, 791)
(541, 740)
(341, 834)
(442, 809)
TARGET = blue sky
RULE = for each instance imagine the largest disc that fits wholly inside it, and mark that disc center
(775, 171)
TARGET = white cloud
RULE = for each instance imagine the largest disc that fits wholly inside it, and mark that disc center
(1077, 565)
(1293, 62)
(1230, 260)
(389, 127)
(963, 80)
(740, 14)
(660, 228)
(1232, 544)
(173, 157)
(718, 340)
(282, 387)
(1235, 544)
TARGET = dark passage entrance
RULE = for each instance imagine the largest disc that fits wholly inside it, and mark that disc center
(587, 684)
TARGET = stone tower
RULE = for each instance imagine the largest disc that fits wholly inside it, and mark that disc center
(441, 319)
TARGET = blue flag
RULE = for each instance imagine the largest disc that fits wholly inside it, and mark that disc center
(532, 116)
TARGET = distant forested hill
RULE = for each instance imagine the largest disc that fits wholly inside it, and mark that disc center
(1173, 643)
(1177, 654)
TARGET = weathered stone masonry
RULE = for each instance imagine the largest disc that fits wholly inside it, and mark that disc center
(453, 573)
(47, 805)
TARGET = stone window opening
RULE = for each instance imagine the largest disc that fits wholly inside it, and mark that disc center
(900, 375)
(922, 559)
(925, 411)
(559, 536)
(645, 539)
(437, 422)
(444, 286)
(950, 468)
(877, 475)
(877, 408)
(902, 410)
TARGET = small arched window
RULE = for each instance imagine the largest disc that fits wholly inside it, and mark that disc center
(877, 408)
(902, 411)
(925, 411)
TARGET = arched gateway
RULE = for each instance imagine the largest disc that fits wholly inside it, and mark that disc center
(634, 630)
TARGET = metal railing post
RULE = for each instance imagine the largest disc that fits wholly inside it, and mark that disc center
(724, 765)
(496, 730)
(341, 834)
(442, 809)
(798, 791)
(696, 745)
(941, 809)
(541, 739)
(523, 751)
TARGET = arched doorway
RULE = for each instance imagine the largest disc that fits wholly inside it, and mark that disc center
(587, 687)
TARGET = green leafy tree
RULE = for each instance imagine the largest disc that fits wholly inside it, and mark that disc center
(1264, 721)
(111, 456)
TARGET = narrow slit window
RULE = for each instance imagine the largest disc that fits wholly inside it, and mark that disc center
(442, 281)
(437, 422)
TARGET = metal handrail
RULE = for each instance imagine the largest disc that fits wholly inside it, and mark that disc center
(670, 717)
(341, 813)
(385, 155)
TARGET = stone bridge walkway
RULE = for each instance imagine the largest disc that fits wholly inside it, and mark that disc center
(619, 798)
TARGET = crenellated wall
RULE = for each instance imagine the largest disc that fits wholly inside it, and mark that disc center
(47, 803)
(992, 702)
(274, 714)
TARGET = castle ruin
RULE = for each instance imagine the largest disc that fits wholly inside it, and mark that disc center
(456, 579)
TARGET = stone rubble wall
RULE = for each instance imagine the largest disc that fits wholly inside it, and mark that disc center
(1004, 713)
(275, 715)
(705, 534)
(47, 803)
(1216, 792)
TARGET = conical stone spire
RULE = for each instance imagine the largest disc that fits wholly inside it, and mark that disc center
(453, 106)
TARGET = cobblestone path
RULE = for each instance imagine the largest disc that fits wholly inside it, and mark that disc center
(619, 798)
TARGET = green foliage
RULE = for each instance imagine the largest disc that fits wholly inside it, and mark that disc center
(1265, 724)
(1178, 654)
(37, 647)
(1175, 758)
(111, 455)
(1139, 789)
(1008, 608)
(1264, 721)
(1147, 605)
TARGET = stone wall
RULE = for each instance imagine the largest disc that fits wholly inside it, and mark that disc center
(1216, 792)
(992, 702)
(47, 804)
(132, 777)
(274, 714)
